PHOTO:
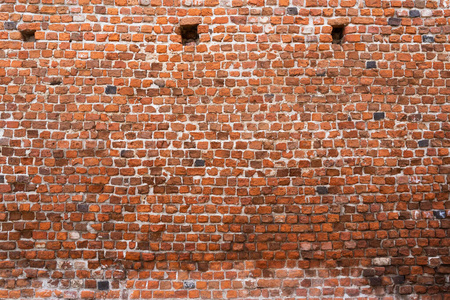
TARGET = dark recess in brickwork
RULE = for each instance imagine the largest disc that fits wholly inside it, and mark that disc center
(337, 34)
(189, 33)
(28, 35)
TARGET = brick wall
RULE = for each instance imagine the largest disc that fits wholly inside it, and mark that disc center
(213, 149)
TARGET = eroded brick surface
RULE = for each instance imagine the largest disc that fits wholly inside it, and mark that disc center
(259, 161)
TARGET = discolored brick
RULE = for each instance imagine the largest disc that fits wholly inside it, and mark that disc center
(378, 116)
(292, 11)
(111, 89)
(322, 190)
(103, 285)
(371, 64)
(10, 25)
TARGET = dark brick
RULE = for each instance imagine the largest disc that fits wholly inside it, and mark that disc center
(371, 64)
(292, 11)
(199, 163)
(375, 281)
(414, 13)
(398, 279)
(295, 172)
(110, 89)
(440, 214)
(368, 272)
(427, 38)
(202, 266)
(82, 207)
(378, 116)
(423, 143)
(394, 21)
(103, 285)
(322, 190)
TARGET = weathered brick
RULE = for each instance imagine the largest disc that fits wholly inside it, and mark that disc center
(10, 25)
(292, 11)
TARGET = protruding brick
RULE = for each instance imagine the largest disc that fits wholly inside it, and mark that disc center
(190, 21)
(339, 22)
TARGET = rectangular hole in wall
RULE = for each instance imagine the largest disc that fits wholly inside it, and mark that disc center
(189, 33)
(337, 34)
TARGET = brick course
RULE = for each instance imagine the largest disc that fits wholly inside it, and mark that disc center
(261, 161)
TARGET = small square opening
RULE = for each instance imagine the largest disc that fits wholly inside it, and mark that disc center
(189, 34)
(337, 34)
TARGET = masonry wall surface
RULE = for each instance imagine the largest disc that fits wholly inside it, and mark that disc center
(262, 161)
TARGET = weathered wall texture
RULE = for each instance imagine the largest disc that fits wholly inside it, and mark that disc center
(262, 162)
